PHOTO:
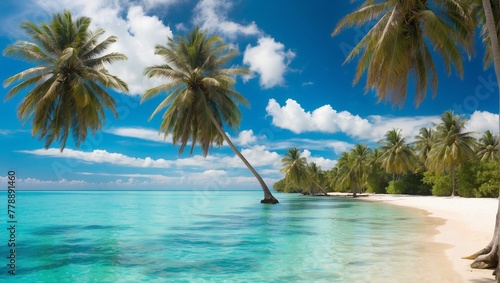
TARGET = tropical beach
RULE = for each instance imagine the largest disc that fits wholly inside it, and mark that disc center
(189, 141)
(466, 226)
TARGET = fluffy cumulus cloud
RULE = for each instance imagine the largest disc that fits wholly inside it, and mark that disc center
(481, 121)
(245, 138)
(324, 163)
(258, 155)
(212, 15)
(293, 117)
(325, 119)
(270, 60)
(137, 32)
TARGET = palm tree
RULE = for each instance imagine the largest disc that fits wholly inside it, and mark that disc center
(395, 47)
(397, 157)
(202, 97)
(361, 155)
(452, 148)
(315, 176)
(398, 47)
(332, 177)
(344, 174)
(353, 169)
(295, 168)
(489, 256)
(487, 149)
(485, 9)
(68, 85)
(423, 143)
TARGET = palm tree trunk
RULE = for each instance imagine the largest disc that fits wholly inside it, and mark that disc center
(488, 257)
(320, 187)
(453, 181)
(268, 196)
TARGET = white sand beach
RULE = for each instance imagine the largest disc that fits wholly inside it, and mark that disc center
(467, 227)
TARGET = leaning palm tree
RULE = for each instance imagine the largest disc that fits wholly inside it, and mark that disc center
(397, 156)
(353, 169)
(452, 148)
(68, 85)
(344, 178)
(398, 47)
(488, 148)
(362, 156)
(295, 169)
(201, 95)
(332, 178)
(316, 177)
(423, 143)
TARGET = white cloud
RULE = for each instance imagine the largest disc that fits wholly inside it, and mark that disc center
(324, 163)
(244, 138)
(481, 121)
(102, 156)
(410, 125)
(212, 15)
(325, 119)
(270, 60)
(257, 155)
(318, 144)
(137, 32)
(140, 133)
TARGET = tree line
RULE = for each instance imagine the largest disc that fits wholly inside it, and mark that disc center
(442, 160)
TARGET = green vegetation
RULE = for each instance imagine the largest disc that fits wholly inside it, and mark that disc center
(442, 161)
(300, 176)
(201, 96)
(452, 148)
(397, 48)
(68, 84)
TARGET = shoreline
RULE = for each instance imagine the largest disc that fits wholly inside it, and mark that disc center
(467, 227)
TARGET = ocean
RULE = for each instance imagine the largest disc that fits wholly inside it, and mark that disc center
(210, 236)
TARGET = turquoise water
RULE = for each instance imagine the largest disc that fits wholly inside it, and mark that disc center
(207, 236)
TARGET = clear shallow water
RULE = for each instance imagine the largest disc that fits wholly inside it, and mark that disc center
(208, 236)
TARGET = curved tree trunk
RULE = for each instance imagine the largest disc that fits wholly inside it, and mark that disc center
(320, 187)
(453, 181)
(488, 257)
(268, 196)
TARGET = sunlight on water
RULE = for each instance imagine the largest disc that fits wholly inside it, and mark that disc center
(197, 236)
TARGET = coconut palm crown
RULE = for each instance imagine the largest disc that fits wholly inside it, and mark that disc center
(200, 94)
(452, 148)
(398, 47)
(67, 89)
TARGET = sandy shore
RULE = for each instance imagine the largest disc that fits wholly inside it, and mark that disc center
(467, 227)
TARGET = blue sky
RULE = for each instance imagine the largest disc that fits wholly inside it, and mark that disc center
(301, 95)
